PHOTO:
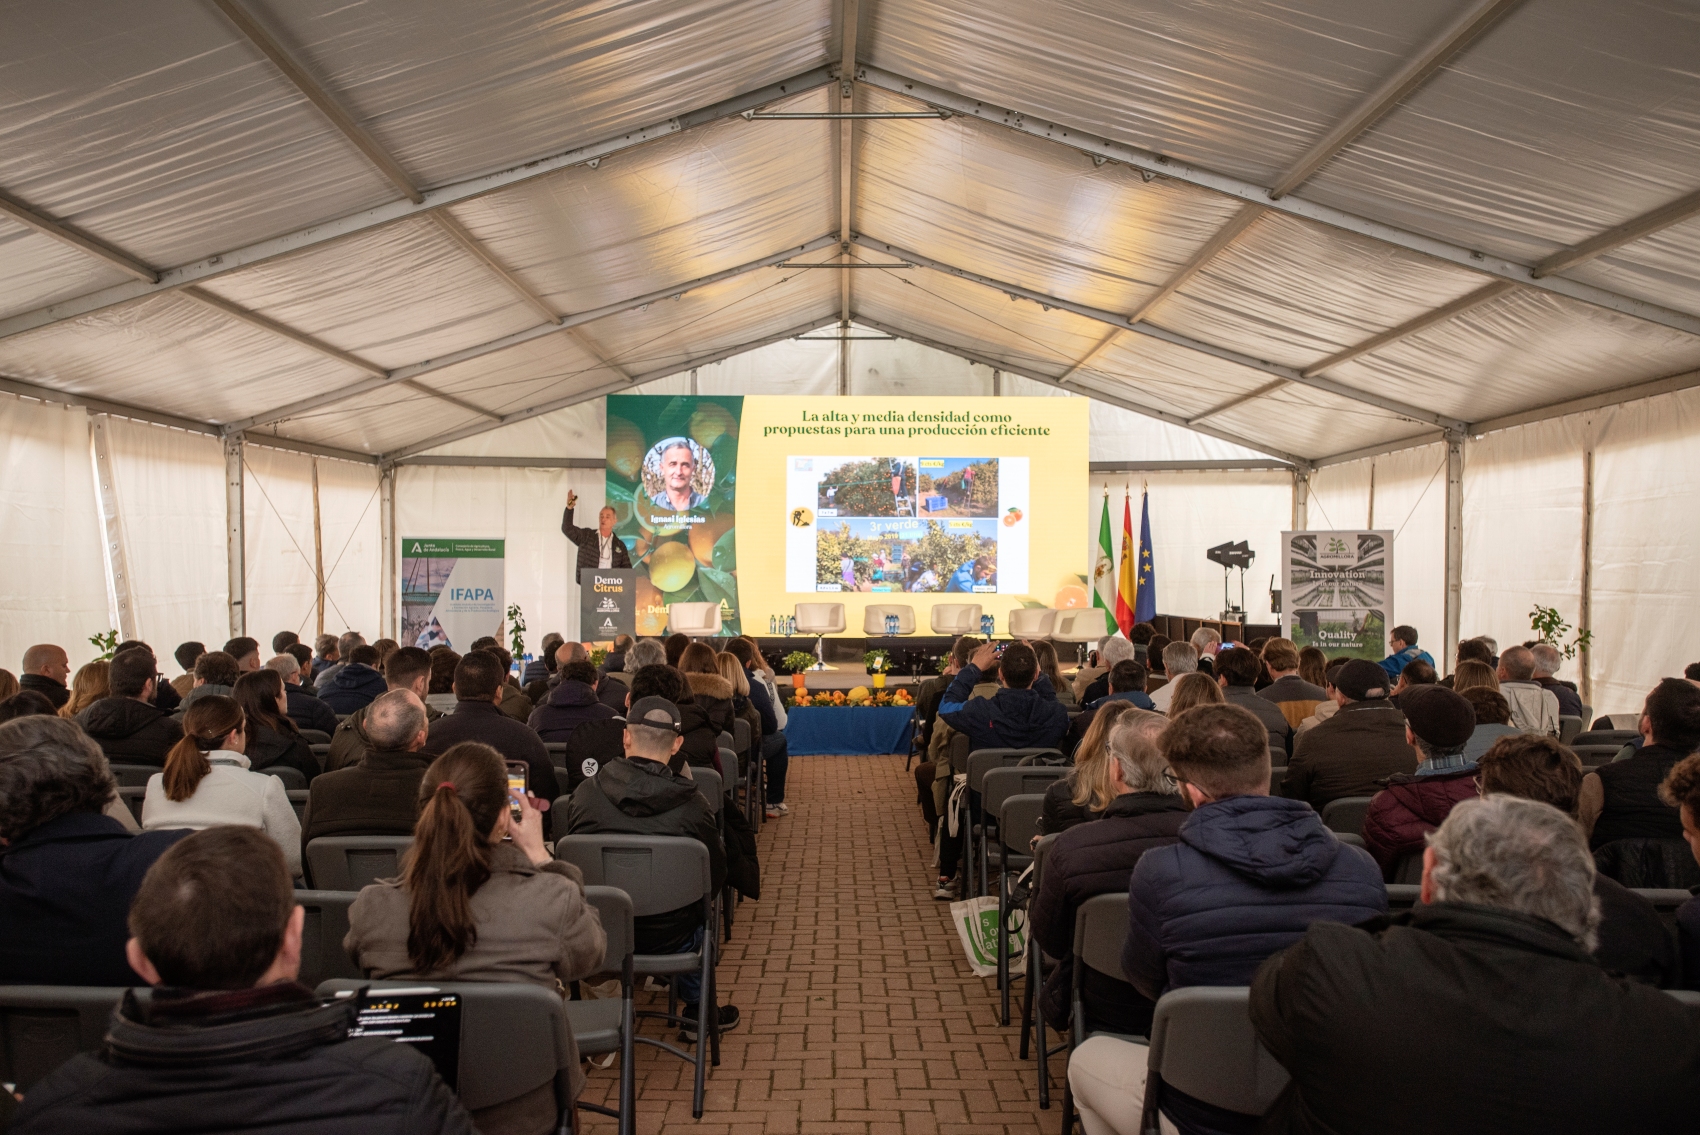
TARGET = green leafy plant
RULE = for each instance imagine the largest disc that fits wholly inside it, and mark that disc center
(516, 630)
(598, 657)
(105, 642)
(798, 661)
(1552, 627)
(877, 661)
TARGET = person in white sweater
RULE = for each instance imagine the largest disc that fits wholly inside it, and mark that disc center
(207, 782)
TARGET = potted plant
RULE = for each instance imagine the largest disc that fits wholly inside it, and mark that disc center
(878, 662)
(796, 664)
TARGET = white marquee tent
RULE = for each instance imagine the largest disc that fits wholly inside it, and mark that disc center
(280, 279)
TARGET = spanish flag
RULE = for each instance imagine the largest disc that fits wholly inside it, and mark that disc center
(1127, 587)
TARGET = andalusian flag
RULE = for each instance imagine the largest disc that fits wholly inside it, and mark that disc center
(1104, 571)
(1126, 579)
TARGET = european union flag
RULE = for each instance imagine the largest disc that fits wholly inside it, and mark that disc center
(1145, 598)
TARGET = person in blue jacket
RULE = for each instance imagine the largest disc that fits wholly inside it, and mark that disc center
(1405, 651)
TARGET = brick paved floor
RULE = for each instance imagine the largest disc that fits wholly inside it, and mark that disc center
(859, 1013)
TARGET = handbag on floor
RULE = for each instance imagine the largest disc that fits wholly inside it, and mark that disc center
(976, 922)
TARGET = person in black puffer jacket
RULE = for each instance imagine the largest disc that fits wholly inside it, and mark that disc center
(273, 738)
(128, 729)
(571, 703)
(357, 684)
(230, 1041)
(1145, 810)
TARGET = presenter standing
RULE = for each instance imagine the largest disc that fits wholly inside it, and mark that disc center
(599, 548)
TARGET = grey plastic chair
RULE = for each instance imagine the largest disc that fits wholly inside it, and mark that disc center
(1568, 728)
(1617, 737)
(291, 777)
(603, 1024)
(1202, 1044)
(557, 753)
(1032, 1021)
(315, 737)
(133, 776)
(322, 932)
(1404, 896)
(321, 753)
(1665, 901)
(708, 783)
(1277, 773)
(661, 874)
(134, 797)
(1686, 996)
(1100, 928)
(1346, 814)
(1018, 822)
(1351, 838)
(297, 800)
(42, 1026)
(980, 762)
(514, 1038)
(349, 862)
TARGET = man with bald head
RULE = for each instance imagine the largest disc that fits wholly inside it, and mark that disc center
(598, 548)
(1534, 708)
(45, 669)
(378, 796)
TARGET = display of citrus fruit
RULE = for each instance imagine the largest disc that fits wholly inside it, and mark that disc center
(1069, 596)
(625, 448)
(671, 565)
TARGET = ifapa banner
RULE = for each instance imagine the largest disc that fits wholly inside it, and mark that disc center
(452, 592)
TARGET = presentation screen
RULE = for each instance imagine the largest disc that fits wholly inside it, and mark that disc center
(759, 503)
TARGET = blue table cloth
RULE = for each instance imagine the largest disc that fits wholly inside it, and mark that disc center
(813, 730)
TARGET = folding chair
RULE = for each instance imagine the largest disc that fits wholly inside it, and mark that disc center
(1277, 773)
(514, 1039)
(661, 874)
(980, 762)
(135, 797)
(42, 1026)
(1202, 1044)
(1404, 896)
(291, 777)
(1346, 814)
(1594, 755)
(315, 737)
(321, 753)
(1033, 1021)
(349, 862)
(322, 932)
(133, 776)
(1665, 901)
(297, 800)
(557, 753)
(1018, 822)
(1568, 728)
(1100, 928)
(602, 1024)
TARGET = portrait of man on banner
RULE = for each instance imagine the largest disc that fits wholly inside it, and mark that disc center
(678, 475)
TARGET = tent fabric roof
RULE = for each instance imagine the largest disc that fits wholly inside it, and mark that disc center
(534, 204)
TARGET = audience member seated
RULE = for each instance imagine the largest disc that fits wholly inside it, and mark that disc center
(675, 644)
(1352, 752)
(1126, 682)
(24, 703)
(1154, 653)
(385, 647)
(643, 795)
(230, 1041)
(1142, 808)
(480, 899)
(1248, 875)
(325, 656)
(186, 654)
(1492, 970)
(739, 679)
(712, 694)
(283, 640)
(615, 659)
(207, 782)
(1237, 670)
(1051, 668)
(1325, 709)
(44, 670)
(571, 703)
(478, 716)
(539, 673)
(597, 743)
(1548, 661)
(67, 872)
(376, 796)
(1621, 800)
(1418, 673)
(1191, 690)
(128, 728)
(355, 684)
(1470, 650)
(1179, 660)
(1534, 708)
(8, 684)
(1681, 790)
(1313, 665)
(1287, 690)
(1090, 670)
(1493, 720)
(307, 711)
(612, 686)
(1633, 940)
(1206, 643)
(92, 682)
(705, 717)
(215, 676)
(1439, 724)
(339, 657)
(407, 668)
(1111, 650)
(1084, 793)
(1403, 640)
(246, 651)
(440, 693)
(770, 734)
(1473, 675)
(273, 738)
(164, 696)
(514, 701)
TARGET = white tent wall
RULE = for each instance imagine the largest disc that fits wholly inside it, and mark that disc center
(169, 486)
(52, 576)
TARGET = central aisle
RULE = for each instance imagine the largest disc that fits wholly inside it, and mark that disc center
(859, 1013)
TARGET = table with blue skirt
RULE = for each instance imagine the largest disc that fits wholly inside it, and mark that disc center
(848, 730)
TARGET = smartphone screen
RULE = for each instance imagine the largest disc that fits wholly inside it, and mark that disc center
(517, 774)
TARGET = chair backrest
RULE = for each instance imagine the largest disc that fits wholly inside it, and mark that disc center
(1568, 728)
(819, 618)
(724, 740)
(349, 862)
(1085, 625)
(1100, 928)
(322, 932)
(955, 618)
(731, 766)
(959, 752)
(1352, 839)
(873, 618)
(1616, 737)
(1408, 868)
(982, 761)
(1031, 622)
(1648, 863)
(1686, 996)
(132, 776)
(1403, 896)
(291, 777)
(297, 800)
(1592, 756)
(557, 753)
(741, 737)
(1277, 773)
(699, 620)
(615, 908)
(660, 873)
(514, 1036)
(315, 737)
(709, 784)
(1665, 900)
(1022, 780)
(1018, 820)
(42, 1026)
(321, 752)
(134, 797)
(1346, 814)
(1202, 1044)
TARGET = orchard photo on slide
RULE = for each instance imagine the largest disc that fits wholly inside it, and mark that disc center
(958, 486)
(873, 555)
(867, 486)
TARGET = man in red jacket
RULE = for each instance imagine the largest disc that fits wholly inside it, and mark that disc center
(1439, 723)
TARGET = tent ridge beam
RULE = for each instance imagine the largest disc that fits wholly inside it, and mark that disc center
(1148, 162)
(10, 206)
(1489, 291)
(1671, 213)
(1175, 338)
(283, 330)
(565, 323)
(335, 229)
(1634, 392)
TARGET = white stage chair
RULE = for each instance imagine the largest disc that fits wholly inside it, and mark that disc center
(956, 618)
(1032, 622)
(873, 621)
(1080, 626)
(699, 620)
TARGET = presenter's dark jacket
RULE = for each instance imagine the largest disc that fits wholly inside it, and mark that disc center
(272, 1059)
(65, 893)
(589, 544)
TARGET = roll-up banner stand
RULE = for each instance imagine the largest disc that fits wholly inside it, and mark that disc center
(452, 592)
(1337, 591)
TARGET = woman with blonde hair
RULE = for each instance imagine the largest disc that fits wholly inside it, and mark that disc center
(733, 671)
(1084, 793)
(207, 782)
(1194, 689)
(92, 682)
(480, 899)
(1473, 675)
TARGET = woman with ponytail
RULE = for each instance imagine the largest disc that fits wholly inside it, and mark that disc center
(206, 781)
(480, 899)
